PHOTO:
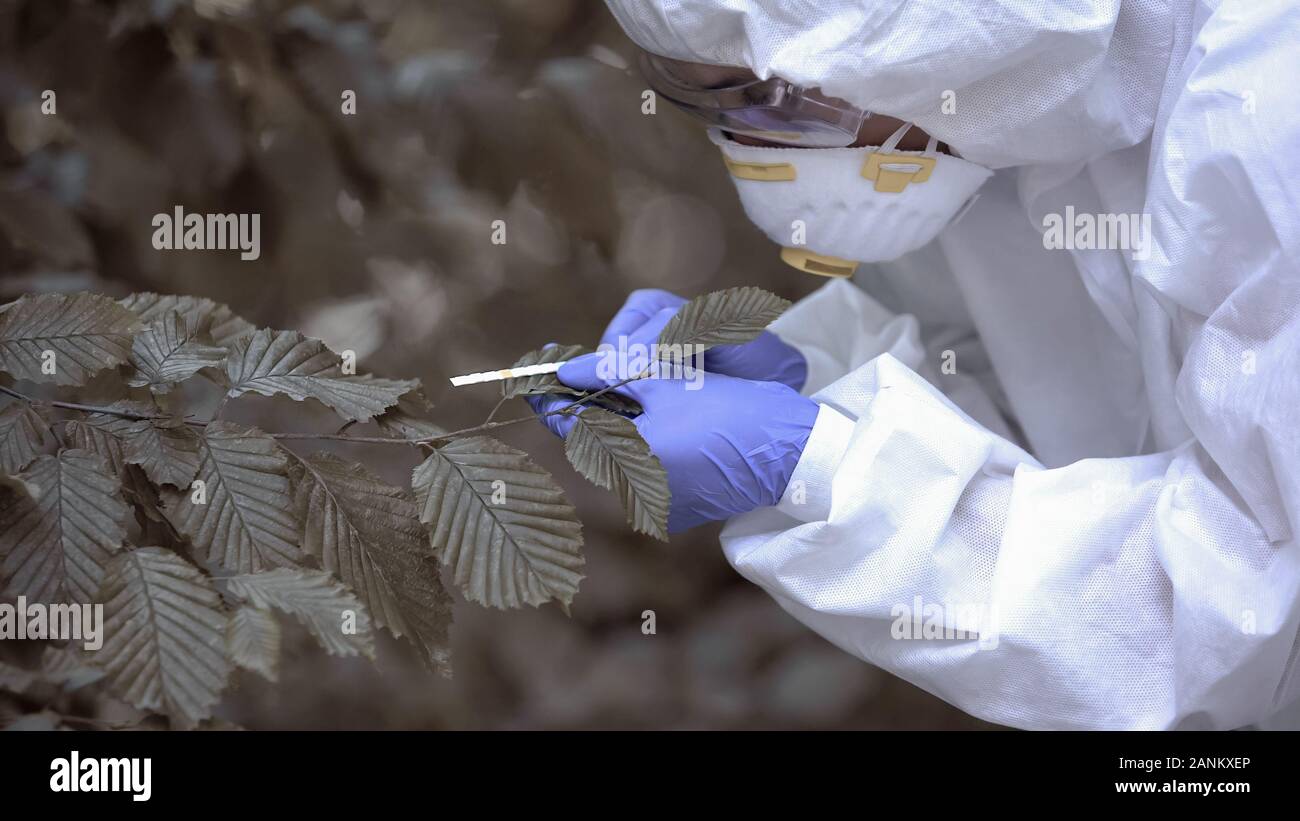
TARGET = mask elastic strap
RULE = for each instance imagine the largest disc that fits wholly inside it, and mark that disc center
(894, 139)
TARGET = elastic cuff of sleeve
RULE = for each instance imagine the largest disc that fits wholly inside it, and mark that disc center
(808, 495)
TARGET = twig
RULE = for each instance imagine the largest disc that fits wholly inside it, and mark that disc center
(495, 408)
(393, 440)
(456, 434)
(77, 406)
(372, 440)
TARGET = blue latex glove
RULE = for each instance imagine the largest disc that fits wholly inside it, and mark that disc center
(729, 445)
(765, 359)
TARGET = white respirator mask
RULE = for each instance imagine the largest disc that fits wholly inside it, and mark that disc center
(831, 208)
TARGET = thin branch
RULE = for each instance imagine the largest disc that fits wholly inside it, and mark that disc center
(456, 434)
(495, 408)
(392, 440)
(372, 440)
(566, 409)
(606, 389)
(77, 406)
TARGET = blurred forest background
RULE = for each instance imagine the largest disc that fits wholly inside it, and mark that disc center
(376, 238)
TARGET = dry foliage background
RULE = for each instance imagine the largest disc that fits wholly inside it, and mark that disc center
(375, 238)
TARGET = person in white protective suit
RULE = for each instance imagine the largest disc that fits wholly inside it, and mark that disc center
(1056, 406)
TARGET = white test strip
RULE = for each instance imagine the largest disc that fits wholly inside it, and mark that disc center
(506, 373)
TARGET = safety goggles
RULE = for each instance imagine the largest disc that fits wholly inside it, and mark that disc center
(771, 110)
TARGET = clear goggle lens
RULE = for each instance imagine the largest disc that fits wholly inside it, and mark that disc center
(771, 110)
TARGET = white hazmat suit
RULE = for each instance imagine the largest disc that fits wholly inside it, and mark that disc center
(1097, 449)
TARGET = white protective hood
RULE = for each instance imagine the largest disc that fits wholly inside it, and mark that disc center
(1025, 81)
